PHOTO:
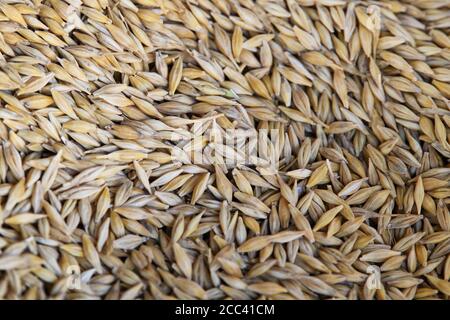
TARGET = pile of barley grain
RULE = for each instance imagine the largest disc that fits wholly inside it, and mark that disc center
(118, 181)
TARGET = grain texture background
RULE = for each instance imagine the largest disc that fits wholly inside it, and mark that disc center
(116, 165)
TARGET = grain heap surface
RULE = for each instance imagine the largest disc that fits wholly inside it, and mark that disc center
(216, 149)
